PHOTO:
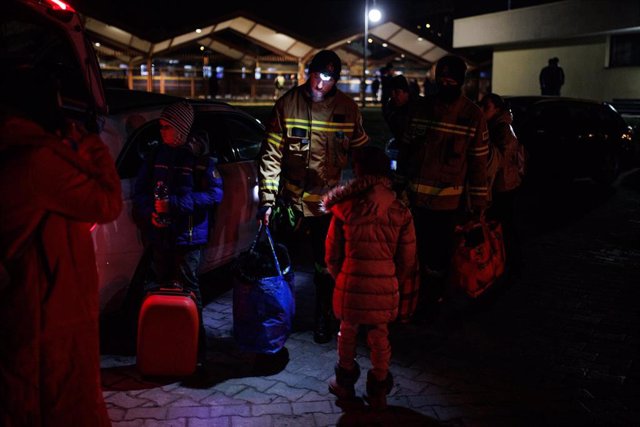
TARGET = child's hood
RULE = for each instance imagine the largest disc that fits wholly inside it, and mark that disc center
(361, 200)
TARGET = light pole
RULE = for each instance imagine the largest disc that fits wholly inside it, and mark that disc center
(374, 15)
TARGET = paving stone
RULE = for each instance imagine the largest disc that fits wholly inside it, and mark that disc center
(230, 410)
(262, 421)
(157, 413)
(272, 409)
(321, 406)
(210, 422)
(293, 420)
(188, 412)
(252, 395)
(122, 400)
(292, 393)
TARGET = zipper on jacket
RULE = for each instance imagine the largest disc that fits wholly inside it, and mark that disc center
(190, 228)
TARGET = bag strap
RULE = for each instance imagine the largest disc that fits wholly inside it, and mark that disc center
(265, 228)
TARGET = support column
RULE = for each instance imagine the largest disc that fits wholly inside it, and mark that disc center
(149, 75)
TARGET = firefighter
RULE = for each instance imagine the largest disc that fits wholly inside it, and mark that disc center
(309, 135)
(442, 171)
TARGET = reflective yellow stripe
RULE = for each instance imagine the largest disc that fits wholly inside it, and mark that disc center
(308, 197)
(359, 142)
(269, 184)
(274, 140)
(447, 127)
(436, 191)
(480, 151)
(445, 124)
(478, 191)
(293, 188)
(319, 125)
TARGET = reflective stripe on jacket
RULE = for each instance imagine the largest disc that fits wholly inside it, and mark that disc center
(444, 153)
(306, 147)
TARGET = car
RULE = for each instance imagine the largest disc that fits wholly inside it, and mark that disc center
(48, 34)
(569, 138)
(131, 131)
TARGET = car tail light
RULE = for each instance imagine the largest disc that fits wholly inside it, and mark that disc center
(60, 5)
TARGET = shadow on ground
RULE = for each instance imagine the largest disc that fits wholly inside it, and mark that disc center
(357, 414)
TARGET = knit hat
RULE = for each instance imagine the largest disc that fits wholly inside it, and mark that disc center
(326, 62)
(451, 66)
(180, 116)
(400, 82)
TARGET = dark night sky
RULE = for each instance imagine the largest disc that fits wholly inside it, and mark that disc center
(318, 23)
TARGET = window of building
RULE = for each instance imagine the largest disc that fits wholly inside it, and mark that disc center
(625, 50)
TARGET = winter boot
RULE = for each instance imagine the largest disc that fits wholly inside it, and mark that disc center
(342, 385)
(377, 391)
(323, 321)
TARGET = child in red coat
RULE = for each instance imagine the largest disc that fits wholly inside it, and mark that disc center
(371, 254)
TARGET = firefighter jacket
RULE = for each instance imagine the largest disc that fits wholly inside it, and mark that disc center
(504, 139)
(443, 155)
(306, 148)
(371, 252)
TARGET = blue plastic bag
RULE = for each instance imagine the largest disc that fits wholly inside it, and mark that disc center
(263, 298)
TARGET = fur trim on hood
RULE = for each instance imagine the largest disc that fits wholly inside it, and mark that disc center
(360, 200)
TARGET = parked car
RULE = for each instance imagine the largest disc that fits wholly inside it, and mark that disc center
(48, 35)
(569, 138)
(131, 131)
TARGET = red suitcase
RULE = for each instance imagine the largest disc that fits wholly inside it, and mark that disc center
(168, 333)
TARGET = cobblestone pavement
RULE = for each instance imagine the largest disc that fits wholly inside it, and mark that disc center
(559, 346)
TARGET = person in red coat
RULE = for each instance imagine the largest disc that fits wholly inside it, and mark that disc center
(53, 188)
(371, 254)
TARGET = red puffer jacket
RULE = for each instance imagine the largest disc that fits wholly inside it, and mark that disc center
(371, 252)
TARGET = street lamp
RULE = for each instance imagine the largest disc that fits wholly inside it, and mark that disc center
(372, 15)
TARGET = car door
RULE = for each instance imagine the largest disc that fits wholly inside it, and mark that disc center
(235, 140)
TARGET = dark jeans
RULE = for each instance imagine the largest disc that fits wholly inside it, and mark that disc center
(435, 235)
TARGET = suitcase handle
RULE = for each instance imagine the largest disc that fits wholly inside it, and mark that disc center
(172, 291)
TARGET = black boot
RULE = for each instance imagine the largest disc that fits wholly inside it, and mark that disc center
(324, 319)
(342, 385)
(377, 391)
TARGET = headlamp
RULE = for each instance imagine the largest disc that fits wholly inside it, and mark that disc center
(325, 77)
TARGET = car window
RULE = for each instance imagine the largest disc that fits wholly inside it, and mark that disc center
(231, 138)
(27, 40)
(141, 142)
(234, 138)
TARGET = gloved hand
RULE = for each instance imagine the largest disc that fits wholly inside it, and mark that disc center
(264, 212)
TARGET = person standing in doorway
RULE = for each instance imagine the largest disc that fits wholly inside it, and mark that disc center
(309, 135)
(551, 78)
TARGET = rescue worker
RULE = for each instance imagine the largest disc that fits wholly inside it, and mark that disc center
(309, 135)
(442, 167)
(397, 111)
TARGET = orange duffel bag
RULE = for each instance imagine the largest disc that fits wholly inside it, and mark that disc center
(478, 259)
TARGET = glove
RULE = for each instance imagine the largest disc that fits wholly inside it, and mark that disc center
(263, 214)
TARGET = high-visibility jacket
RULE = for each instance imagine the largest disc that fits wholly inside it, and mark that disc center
(306, 147)
(443, 155)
